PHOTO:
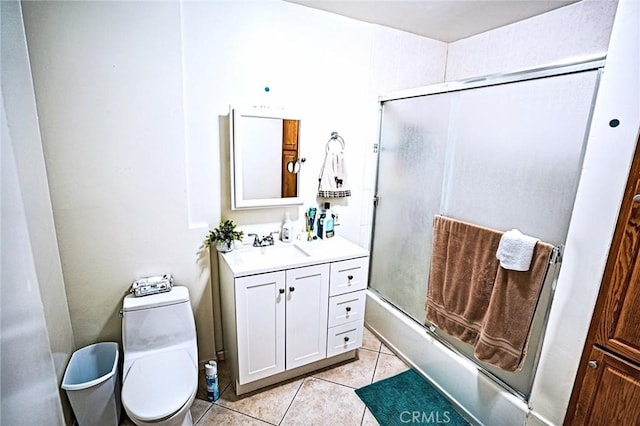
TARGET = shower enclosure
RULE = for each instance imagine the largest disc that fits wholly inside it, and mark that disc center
(503, 152)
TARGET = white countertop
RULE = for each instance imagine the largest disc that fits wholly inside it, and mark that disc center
(248, 260)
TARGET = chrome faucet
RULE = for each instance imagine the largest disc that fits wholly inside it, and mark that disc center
(265, 241)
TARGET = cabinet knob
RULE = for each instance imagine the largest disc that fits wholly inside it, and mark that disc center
(281, 291)
(349, 277)
(291, 289)
(348, 308)
(346, 339)
(636, 198)
(592, 364)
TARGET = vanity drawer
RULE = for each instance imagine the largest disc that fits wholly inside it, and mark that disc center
(348, 275)
(344, 338)
(346, 308)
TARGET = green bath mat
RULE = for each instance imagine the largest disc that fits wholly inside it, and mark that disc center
(408, 399)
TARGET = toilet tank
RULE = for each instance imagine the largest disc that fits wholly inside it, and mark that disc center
(158, 322)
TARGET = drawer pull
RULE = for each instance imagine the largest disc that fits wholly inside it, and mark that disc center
(292, 289)
(348, 308)
(281, 291)
(346, 339)
(349, 277)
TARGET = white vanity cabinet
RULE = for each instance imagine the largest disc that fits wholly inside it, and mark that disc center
(286, 317)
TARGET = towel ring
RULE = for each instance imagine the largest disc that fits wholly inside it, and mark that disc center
(337, 138)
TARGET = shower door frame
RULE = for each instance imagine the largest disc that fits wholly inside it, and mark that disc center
(576, 65)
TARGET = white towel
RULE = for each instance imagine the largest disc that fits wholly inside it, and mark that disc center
(516, 250)
(333, 177)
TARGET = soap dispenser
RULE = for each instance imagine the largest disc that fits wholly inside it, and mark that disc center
(287, 229)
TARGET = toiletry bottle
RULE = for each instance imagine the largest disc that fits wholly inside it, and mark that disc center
(312, 219)
(287, 229)
(211, 379)
(321, 224)
(328, 222)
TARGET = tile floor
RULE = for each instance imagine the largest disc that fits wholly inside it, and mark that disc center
(325, 397)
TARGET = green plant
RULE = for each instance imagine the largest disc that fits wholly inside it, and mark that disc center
(224, 234)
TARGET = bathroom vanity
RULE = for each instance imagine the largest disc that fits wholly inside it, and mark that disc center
(289, 309)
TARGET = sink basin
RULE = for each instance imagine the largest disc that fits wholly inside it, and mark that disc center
(270, 254)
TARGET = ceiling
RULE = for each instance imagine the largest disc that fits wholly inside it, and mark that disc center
(444, 20)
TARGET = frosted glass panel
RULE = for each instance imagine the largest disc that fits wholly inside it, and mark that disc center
(410, 172)
(505, 156)
(517, 154)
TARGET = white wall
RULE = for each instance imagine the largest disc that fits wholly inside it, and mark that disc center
(36, 328)
(325, 67)
(572, 31)
(108, 83)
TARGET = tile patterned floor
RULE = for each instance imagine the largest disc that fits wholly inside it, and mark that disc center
(325, 397)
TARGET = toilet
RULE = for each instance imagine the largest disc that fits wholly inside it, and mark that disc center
(160, 371)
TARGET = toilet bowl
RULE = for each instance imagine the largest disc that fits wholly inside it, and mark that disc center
(160, 388)
(160, 377)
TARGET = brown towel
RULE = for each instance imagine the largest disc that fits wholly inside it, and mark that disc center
(507, 323)
(472, 298)
(463, 270)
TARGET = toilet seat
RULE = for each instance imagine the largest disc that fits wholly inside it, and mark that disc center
(159, 385)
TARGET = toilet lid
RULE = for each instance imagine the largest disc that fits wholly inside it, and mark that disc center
(158, 385)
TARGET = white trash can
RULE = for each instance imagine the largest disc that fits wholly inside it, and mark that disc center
(93, 384)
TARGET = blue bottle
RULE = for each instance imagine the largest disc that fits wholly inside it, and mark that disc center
(211, 379)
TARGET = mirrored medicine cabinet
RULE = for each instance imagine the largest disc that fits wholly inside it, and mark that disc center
(265, 160)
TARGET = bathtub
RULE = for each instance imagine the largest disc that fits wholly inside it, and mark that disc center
(479, 398)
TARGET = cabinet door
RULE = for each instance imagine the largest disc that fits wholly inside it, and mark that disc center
(289, 180)
(610, 392)
(260, 317)
(307, 303)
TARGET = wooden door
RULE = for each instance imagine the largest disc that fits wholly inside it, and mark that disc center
(610, 392)
(307, 304)
(260, 319)
(619, 328)
(607, 386)
(289, 155)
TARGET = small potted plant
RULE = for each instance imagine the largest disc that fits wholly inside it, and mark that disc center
(223, 236)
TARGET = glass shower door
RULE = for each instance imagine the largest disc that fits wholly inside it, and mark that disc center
(504, 156)
(411, 165)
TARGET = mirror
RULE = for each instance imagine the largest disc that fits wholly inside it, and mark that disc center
(265, 161)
